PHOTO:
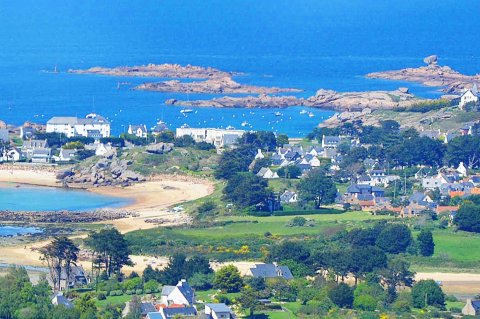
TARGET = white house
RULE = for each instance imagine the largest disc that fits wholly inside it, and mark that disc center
(11, 155)
(181, 294)
(462, 170)
(138, 130)
(217, 137)
(104, 149)
(469, 96)
(218, 311)
(289, 197)
(259, 154)
(314, 162)
(66, 155)
(93, 125)
(267, 173)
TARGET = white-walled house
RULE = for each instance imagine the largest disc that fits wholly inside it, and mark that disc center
(469, 96)
(181, 294)
(93, 125)
(217, 137)
(138, 130)
(217, 311)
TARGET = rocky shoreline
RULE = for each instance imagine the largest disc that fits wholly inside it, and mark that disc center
(59, 217)
(451, 81)
(159, 71)
(327, 99)
(211, 86)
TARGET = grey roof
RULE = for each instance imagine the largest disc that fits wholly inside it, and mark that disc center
(187, 291)
(142, 127)
(71, 120)
(331, 139)
(35, 144)
(271, 271)
(41, 152)
(262, 171)
(166, 290)
(365, 197)
(475, 179)
(218, 307)
(68, 152)
(416, 197)
(476, 304)
(364, 178)
(360, 188)
(147, 307)
(185, 311)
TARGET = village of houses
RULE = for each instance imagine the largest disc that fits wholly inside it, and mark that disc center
(365, 192)
(174, 301)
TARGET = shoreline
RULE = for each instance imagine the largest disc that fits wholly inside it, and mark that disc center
(151, 200)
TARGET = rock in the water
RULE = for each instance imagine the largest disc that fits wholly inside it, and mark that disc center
(432, 59)
(404, 90)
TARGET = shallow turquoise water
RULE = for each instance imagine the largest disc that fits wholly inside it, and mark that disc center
(17, 230)
(31, 198)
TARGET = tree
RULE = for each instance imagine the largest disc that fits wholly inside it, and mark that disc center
(468, 217)
(180, 267)
(427, 293)
(368, 295)
(290, 171)
(426, 244)
(85, 303)
(184, 141)
(366, 260)
(201, 281)
(464, 149)
(282, 139)
(111, 251)
(261, 162)
(317, 187)
(234, 161)
(394, 238)
(248, 300)
(59, 255)
(341, 295)
(228, 279)
(74, 145)
(396, 274)
(246, 189)
(289, 250)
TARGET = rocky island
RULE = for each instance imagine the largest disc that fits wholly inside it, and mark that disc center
(329, 99)
(451, 81)
(160, 71)
(211, 86)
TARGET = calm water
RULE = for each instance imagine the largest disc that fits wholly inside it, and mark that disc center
(307, 44)
(30, 198)
(17, 231)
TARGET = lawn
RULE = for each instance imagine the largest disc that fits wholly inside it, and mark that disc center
(457, 245)
(454, 251)
(277, 225)
(281, 184)
(113, 300)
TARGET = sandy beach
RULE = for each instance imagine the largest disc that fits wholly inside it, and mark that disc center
(150, 200)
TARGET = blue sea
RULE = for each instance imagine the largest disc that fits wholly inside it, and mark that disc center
(32, 198)
(307, 44)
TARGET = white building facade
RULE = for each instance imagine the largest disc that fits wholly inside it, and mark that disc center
(93, 125)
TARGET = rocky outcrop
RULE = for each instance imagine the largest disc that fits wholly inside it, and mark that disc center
(451, 81)
(160, 148)
(105, 172)
(322, 99)
(159, 71)
(211, 86)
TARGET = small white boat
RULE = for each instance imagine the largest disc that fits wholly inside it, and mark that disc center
(310, 114)
(230, 127)
(303, 112)
(186, 111)
(244, 123)
(278, 114)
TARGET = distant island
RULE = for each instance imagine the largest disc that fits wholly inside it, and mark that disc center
(159, 71)
(328, 99)
(432, 74)
(211, 86)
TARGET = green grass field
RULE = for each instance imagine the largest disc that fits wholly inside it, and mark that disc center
(458, 245)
